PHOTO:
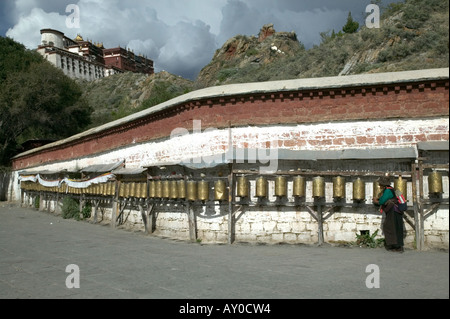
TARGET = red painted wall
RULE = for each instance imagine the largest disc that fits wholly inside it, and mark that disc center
(408, 101)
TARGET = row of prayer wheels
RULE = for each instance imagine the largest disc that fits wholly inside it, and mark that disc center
(133, 190)
(31, 186)
(318, 187)
(187, 190)
(200, 190)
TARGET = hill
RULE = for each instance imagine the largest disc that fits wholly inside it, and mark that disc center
(120, 95)
(413, 35)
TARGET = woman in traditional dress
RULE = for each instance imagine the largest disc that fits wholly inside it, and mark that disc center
(393, 223)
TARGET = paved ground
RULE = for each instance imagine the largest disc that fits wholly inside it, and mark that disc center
(36, 248)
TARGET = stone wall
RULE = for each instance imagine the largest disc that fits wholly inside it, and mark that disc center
(383, 114)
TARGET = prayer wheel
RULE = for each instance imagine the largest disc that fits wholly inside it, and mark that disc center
(122, 190)
(173, 190)
(137, 192)
(133, 189)
(401, 184)
(435, 183)
(339, 187)
(143, 190)
(203, 191)
(181, 184)
(192, 191)
(243, 188)
(108, 189)
(104, 189)
(280, 186)
(359, 190)
(261, 187)
(318, 187)
(159, 189)
(220, 191)
(152, 189)
(165, 189)
(377, 190)
(299, 187)
(126, 193)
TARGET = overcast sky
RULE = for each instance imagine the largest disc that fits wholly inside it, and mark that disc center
(180, 36)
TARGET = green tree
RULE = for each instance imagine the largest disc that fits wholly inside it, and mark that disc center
(37, 101)
(351, 26)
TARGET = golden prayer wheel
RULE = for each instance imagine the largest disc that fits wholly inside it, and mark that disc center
(243, 188)
(104, 189)
(159, 189)
(338, 187)
(299, 187)
(261, 187)
(280, 186)
(220, 191)
(152, 189)
(109, 189)
(377, 190)
(173, 190)
(401, 184)
(122, 190)
(181, 184)
(144, 190)
(435, 183)
(166, 189)
(359, 190)
(127, 190)
(203, 190)
(192, 191)
(113, 188)
(318, 187)
(132, 190)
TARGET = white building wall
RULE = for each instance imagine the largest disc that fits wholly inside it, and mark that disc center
(276, 224)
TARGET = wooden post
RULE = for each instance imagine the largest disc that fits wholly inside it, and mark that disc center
(320, 224)
(231, 235)
(421, 241)
(41, 201)
(115, 205)
(192, 223)
(57, 208)
(22, 197)
(150, 219)
(96, 203)
(144, 218)
(415, 205)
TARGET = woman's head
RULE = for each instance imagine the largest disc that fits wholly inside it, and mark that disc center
(384, 181)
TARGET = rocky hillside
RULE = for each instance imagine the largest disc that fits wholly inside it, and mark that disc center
(242, 55)
(123, 94)
(413, 35)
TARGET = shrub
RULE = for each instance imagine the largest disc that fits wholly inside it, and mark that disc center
(367, 240)
(70, 208)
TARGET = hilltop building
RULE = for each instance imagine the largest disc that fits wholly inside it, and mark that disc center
(79, 58)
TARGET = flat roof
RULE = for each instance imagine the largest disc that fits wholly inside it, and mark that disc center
(266, 87)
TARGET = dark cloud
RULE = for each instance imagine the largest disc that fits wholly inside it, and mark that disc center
(181, 36)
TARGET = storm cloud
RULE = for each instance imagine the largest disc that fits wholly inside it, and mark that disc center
(181, 36)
